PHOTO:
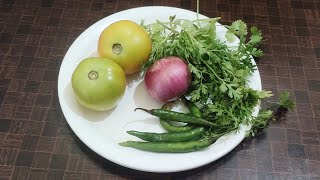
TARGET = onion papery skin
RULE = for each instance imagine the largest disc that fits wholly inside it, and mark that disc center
(167, 79)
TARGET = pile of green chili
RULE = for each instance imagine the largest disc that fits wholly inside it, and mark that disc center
(195, 135)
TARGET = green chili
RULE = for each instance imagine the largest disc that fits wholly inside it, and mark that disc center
(194, 110)
(172, 147)
(170, 127)
(179, 117)
(191, 135)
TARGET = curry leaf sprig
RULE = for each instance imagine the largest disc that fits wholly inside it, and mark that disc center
(220, 72)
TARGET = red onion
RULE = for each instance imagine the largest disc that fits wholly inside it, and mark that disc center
(167, 79)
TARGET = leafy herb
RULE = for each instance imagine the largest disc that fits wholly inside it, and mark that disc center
(285, 102)
(220, 73)
(266, 116)
(260, 122)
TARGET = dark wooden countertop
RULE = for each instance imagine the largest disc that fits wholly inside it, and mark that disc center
(37, 143)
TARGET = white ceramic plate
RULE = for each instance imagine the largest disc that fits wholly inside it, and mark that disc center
(102, 131)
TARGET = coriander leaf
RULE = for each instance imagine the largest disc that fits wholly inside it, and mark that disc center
(264, 94)
(285, 102)
(223, 88)
(216, 109)
(237, 93)
(172, 18)
(204, 89)
(187, 24)
(212, 30)
(230, 36)
(195, 95)
(219, 73)
(256, 52)
(231, 92)
(265, 116)
(256, 35)
(178, 22)
(239, 28)
(239, 73)
(194, 70)
(227, 65)
(157, 28)
(260, 122)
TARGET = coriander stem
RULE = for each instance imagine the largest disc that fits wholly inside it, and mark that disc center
(229, 71)
(207, 20)
(165, 26)
(193, 21)
(217, 50)
(160, 44)
(213, 72)
(198, 13)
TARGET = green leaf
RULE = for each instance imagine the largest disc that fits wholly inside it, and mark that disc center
(204, 89)
(172, 18)
(239, 28)
(212, 29)
(187, 24)
(237, 93)
(223, 88)
(264, 94)
(257, 53)
(260, 122)
(256, 35)
(178, 22)
(195, 95)
(240, 73)
(234, 93)
(157, 28)
(230, 36)
(227, 65)
(194, 70)
(285, 101)
(216, 109)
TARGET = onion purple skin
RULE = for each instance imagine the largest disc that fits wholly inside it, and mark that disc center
(168, 79)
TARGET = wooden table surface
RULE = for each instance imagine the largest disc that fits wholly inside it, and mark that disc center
(37, 143)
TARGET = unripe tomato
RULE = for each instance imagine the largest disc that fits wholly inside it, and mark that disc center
(127, 44)
(98, 83)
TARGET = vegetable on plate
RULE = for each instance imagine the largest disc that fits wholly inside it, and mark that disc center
(178, 116)
(172, 147)
(167, 79)
(190, 135)
(98, 83)
(170, 127)
(220, 68)
(174, 142)
(126, 43)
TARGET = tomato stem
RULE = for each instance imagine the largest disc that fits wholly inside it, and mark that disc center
(93, 75)
(116, 48)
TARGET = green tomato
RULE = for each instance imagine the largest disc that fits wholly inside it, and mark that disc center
(98, 83)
